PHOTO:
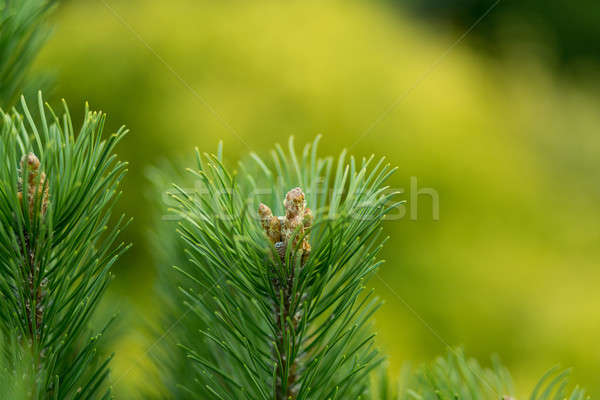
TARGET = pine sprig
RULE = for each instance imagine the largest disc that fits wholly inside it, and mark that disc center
(284, 325)
(57, 245)
(177, 377)
(22, 33)
(456, 377)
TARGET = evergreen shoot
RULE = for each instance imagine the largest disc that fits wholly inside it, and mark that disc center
(272, 263)
(57, 245)
(280, 289)
(455, 377)
(177, 379)
(22, 33)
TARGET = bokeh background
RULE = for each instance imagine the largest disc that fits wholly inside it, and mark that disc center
(501, 119)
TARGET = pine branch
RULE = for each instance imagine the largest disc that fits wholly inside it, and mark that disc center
(22, 33)
(285, 232)
(286, 316)
(455, 377)
(171, 360)
(278, 294)
(57, 191)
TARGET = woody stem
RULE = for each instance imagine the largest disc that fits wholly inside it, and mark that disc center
(282, 318)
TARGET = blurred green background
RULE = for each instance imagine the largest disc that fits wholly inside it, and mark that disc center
(504, 126)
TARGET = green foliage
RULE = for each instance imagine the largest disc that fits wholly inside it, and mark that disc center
(22, 33)
(553, 385)
(452, 133)
(455, 377)
(167, 249)
(57, 245)
(294, 326)
(240, 343)
(15, 370)
(573, 29)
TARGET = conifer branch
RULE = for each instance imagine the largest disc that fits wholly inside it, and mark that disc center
(22, 33)
(456, 377)
(276, 296)
(57, 191)
(282, 297)
(286, 232)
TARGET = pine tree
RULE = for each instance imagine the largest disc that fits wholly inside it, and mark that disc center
(57, 245)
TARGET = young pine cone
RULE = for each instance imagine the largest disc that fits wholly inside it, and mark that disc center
(291, 227)
(37, 191)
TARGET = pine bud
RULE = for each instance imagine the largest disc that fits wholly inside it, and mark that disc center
(294, 203)
(291, 227)
(35, 184)
(308, 218)
(270, 223)
(274, 230)
(265, 214)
